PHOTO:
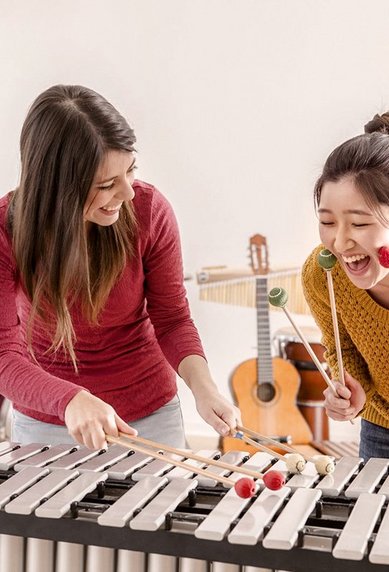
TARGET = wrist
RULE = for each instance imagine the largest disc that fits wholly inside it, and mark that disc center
(195, 372)
(204, 390)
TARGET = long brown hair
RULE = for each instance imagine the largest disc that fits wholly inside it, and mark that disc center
(66, 134)
(365, 159)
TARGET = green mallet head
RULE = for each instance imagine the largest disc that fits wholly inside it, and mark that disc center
(326, 259)
(278, 297)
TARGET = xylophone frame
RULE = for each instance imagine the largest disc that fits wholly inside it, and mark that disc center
(177, 544)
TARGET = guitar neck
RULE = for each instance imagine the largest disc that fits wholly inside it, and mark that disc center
(264, 358)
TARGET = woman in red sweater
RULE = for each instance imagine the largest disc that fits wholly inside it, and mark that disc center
(94, 320)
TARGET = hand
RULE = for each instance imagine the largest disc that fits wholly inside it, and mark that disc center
(88, 419)
(348, 403)
(218, 412)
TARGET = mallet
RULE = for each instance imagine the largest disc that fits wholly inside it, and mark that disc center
(278, 298)
(295, 461)
(383, 256)
(327, 260)
(244, 487)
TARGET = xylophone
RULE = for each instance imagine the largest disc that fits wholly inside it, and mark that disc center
(68, 508)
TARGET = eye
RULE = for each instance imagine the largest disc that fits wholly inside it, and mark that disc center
(360, 225)
(108, 188)
(322, 222)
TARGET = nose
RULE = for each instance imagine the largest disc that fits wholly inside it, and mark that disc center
(343, 240)
(126, 192)
(131, 192)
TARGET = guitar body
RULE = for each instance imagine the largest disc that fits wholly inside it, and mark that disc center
(265, 388)
(268, 408)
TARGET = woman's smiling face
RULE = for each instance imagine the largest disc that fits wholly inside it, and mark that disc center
(112, 186)
(353, 232)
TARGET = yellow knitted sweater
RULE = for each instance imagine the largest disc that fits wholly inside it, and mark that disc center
(363, 331)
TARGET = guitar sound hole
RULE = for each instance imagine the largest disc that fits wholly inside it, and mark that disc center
(265, 392)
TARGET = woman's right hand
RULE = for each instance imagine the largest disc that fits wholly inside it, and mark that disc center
(348, 402)
(88, 419)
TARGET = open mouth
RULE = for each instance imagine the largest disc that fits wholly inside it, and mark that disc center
(358, 263)
(110, 211)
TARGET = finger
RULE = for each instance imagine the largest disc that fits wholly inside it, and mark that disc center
(221, 427)
(112, 425)
(76, 435)
(230, 415)
(343, 391)
(335, 415)
(93, 435)
(97, 439)
(229, 419)
(341, 413)
(124, 427)
(88, 441)
(337, 401)
(340, 404)
(340, 389)
(329, 392)
(217, 423)
(349, 378)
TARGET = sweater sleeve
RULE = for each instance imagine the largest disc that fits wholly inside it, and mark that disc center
(317, 296)
(22, 381)
(167, 304)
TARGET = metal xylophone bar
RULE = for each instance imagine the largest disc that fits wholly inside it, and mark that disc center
(283, 529)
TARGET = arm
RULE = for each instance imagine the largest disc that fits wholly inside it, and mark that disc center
(211, 405)
(27, 384)
(169, 312)
(165, 294)
(22, 381)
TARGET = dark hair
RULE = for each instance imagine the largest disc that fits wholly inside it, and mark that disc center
(64, 139)
(379, 124)
(365, 159)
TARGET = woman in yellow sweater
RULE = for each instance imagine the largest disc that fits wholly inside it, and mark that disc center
(352, 202)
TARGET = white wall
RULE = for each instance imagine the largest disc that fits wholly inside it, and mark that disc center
(235, 103)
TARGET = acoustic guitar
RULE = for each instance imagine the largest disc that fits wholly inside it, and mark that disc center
(265, 388)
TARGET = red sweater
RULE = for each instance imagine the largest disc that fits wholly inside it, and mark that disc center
(130, 359)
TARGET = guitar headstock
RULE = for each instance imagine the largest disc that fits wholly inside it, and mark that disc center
(259, 260)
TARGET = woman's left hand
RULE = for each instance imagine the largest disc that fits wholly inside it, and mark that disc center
(218, 412)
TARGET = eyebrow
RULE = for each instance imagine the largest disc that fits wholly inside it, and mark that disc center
(348, 211)
(115, 176)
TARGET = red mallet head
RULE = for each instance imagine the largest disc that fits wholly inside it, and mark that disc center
(245, 488)
(383, 256)
(274, 480)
